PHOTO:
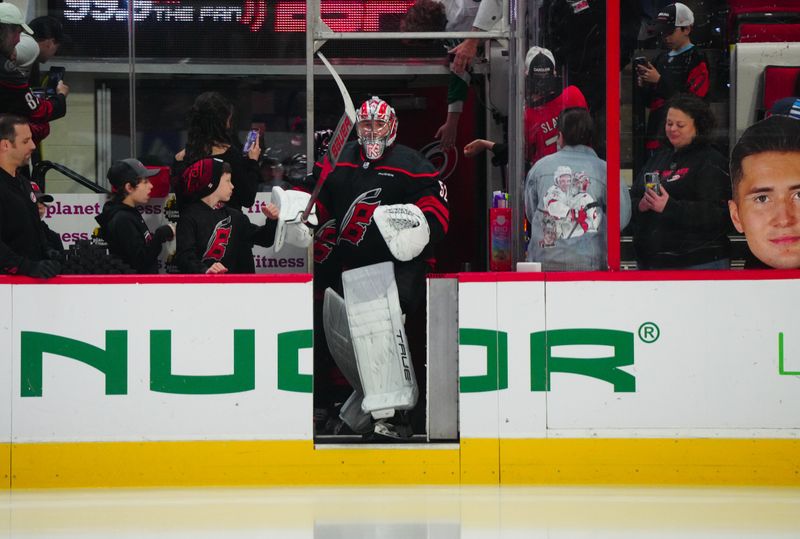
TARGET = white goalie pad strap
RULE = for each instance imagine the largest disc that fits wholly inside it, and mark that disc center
(353, 416)
(404, 228)
(290, 229)
(337, 333)
(379, 339)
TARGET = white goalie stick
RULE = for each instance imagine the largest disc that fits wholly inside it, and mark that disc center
(338, 138)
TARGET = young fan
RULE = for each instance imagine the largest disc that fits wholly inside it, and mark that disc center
(213, 237)
(121, 224)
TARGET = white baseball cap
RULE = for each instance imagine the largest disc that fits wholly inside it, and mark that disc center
(10, 14)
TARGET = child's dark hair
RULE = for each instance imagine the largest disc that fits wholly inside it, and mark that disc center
(119, 193)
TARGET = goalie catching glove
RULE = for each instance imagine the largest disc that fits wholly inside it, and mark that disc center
(290, 229)
(404, 228)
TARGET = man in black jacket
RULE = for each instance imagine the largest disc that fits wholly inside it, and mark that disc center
(23, 247)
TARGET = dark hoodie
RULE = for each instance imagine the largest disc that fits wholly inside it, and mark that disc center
(129, 238)
(207, 235)
(693, 228)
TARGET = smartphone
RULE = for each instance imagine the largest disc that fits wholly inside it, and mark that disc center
(640, 61)
(652, 180)
(252, 137)
(55, 76)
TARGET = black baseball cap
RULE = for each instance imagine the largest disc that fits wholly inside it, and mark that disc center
(128, 170)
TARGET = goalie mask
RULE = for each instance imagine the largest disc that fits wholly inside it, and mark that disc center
(376, 124)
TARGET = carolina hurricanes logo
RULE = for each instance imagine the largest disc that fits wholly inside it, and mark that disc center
(359, 216)
(324, 241)
(218, 242)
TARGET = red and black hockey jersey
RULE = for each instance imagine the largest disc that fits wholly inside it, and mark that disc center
(17, 98)
(357, 186)
(541, 123)
(206, 235)
(686, 72)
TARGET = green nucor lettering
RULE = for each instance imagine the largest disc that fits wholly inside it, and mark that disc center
(112, 362)
(496, 345)
(289, 376)
(242, 379)
(543, 362)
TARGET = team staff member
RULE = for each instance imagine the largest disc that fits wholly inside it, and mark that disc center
(15, 93)
(121, 224)
(212, 236)
(23, 246)
(765, 172)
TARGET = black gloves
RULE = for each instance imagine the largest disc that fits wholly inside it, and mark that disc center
(44, 269)
(164, 233)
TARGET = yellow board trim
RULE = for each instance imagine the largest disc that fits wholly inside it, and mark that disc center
(230, 463)
(5, 465)
(679, 461)
(767, 462)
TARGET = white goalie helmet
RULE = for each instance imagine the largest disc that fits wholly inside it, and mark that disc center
(376, 124)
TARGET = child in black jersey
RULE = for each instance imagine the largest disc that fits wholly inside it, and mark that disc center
(121, 224)
(213, 237)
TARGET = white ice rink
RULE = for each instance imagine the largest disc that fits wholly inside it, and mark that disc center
(404, 513)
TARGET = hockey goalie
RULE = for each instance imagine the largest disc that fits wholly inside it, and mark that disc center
(379, 212)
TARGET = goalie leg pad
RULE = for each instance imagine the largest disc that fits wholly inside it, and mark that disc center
(337, 333)
(379, 340)
(354, 417)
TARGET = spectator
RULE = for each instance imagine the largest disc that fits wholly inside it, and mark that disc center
(454, 16)
(765, 171)
(23, 247)
(682, 223)
(681, 69)
(565, 201)
(121, 224)
(16, 96)
(210, 135)
(53, 239)
(546, 101)
(214, 237)
(39, 48)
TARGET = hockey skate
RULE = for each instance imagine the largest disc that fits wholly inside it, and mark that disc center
(393, 429)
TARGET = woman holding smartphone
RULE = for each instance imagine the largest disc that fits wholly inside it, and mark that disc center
(210, 135)
(680, 196)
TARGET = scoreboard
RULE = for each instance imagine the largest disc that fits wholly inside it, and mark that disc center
(216, 29)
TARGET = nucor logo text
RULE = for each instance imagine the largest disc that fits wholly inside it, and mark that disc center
(113, 363)
(544, 361)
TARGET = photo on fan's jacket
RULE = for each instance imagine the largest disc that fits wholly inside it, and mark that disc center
(121, 224)
(765, 176)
